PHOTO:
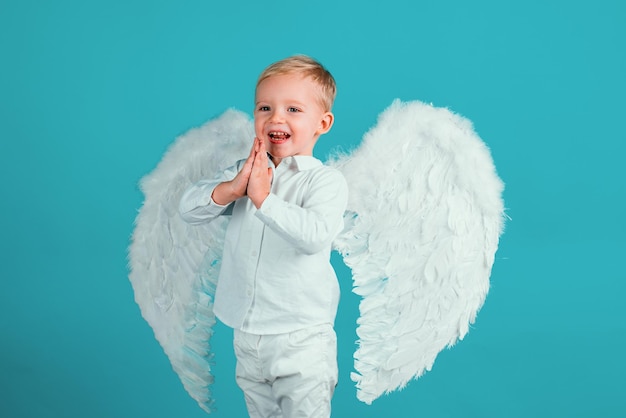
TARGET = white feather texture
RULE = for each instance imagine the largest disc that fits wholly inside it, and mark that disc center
(173, 265)
(425, 217)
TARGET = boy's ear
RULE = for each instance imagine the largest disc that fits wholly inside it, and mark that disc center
(326, 123)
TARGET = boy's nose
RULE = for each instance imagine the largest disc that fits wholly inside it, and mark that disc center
(276, 116)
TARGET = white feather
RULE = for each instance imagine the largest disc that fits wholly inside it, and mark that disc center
(425, 216)
(174, 266)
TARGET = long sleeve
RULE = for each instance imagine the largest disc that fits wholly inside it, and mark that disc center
(311, 226)
(276, 274)
(196, 205)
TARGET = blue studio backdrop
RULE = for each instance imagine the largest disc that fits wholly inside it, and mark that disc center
(93, 92)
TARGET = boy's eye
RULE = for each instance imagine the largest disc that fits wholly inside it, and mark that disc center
(293, 109)
(264, 108)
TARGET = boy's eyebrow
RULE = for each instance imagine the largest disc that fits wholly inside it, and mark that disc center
(289, 102)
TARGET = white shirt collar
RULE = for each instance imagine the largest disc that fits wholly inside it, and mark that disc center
(300, 162)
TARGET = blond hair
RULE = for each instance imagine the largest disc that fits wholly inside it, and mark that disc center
(308, 67)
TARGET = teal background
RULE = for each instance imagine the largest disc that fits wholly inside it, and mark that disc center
(92, 93)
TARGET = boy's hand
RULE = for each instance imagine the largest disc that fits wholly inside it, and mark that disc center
(260, 178)
(229, 191)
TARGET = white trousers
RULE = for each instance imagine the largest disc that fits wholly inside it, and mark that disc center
(289, 375)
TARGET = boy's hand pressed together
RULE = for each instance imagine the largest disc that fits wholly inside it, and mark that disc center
(260, 178)
(253, 180)
(229, 191)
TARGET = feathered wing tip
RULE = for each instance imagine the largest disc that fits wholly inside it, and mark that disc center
(174, 266)
(425, 216)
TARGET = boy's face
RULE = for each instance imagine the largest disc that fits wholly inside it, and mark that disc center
(288, 116)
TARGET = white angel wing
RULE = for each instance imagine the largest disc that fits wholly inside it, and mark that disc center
(426, 217)
(173, 265)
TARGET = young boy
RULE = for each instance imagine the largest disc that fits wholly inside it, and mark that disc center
(277, 288)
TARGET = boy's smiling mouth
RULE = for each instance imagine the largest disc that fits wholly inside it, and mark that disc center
(278, 136)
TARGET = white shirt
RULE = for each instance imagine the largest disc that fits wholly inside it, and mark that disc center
(276, 275)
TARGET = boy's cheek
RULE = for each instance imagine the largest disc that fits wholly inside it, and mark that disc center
(258, 130)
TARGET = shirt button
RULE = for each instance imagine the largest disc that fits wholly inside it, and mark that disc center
(254, 253)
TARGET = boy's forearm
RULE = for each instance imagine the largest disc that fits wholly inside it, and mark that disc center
(307, 231)
(207, 199)
(223, 194)
(196, 204)
(312, 227)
